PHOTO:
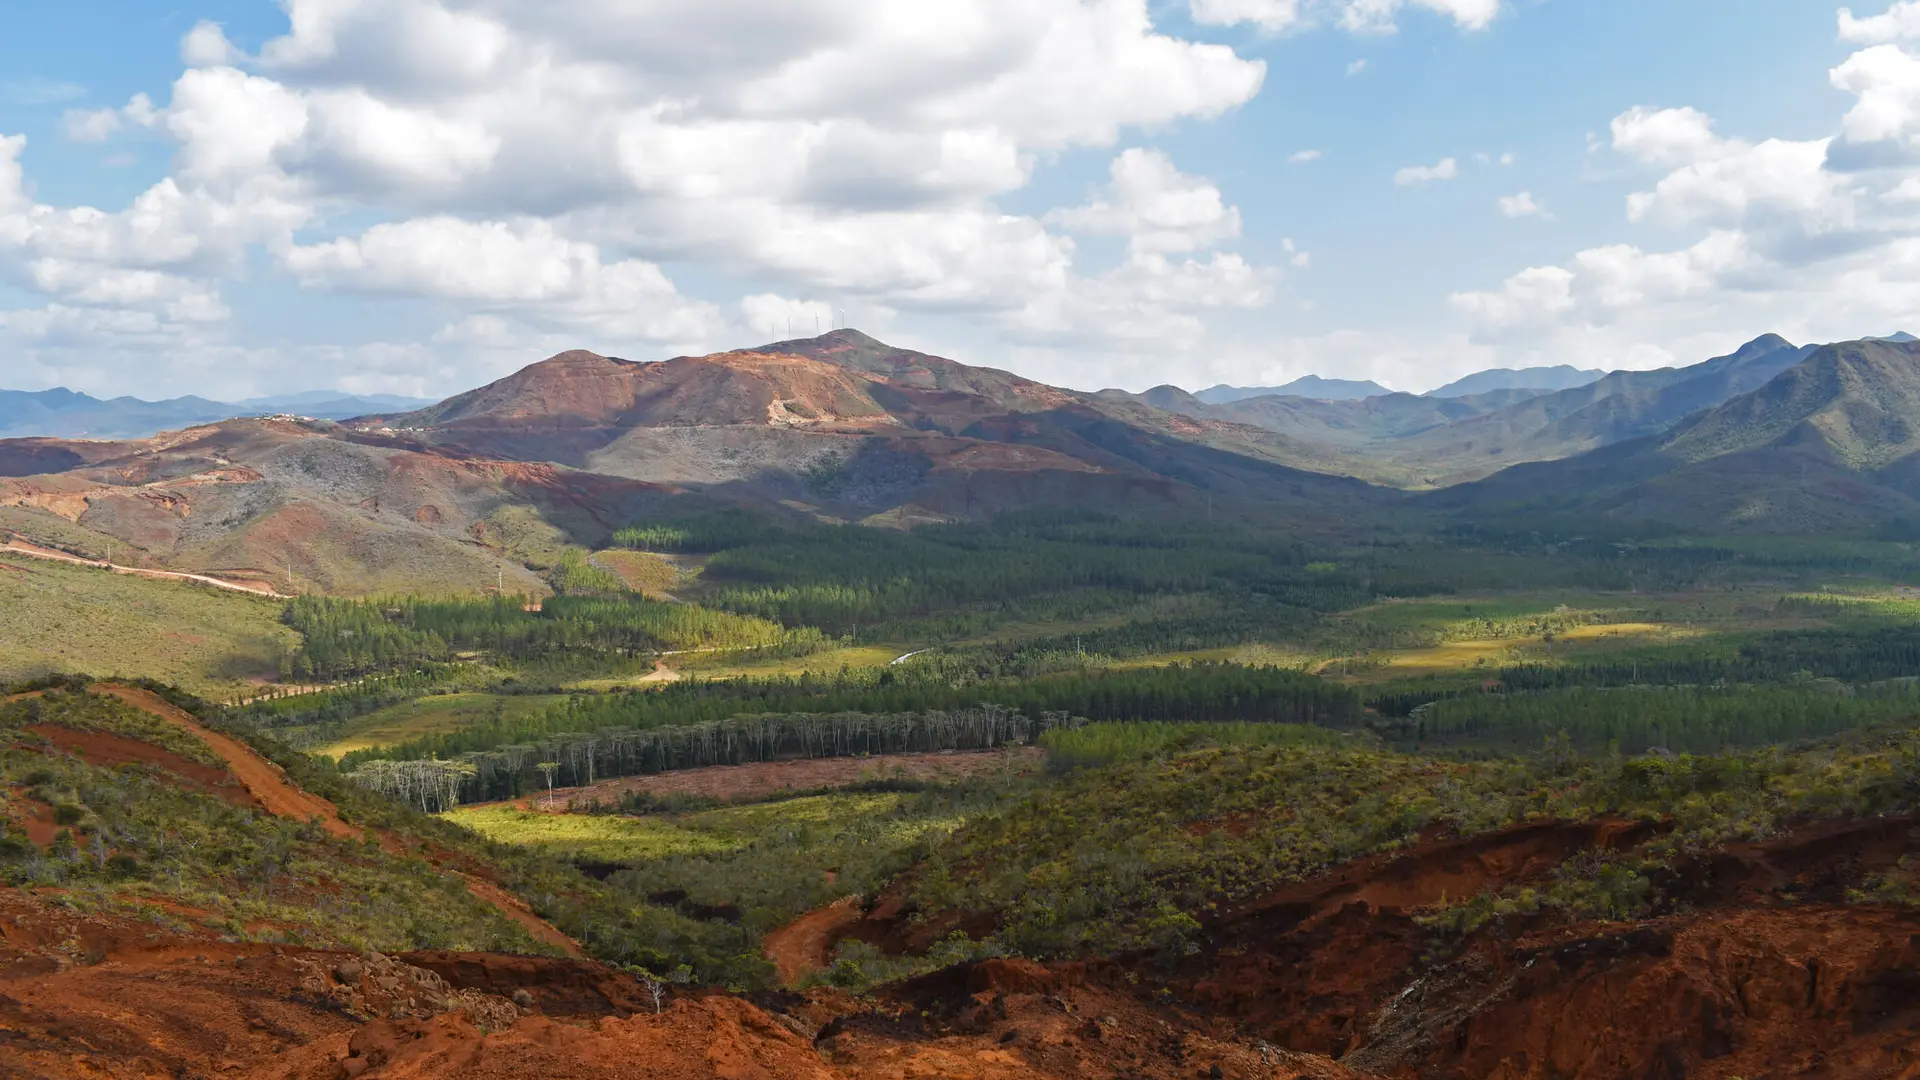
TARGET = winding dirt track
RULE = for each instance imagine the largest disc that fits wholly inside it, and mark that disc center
(805, 945)
(262, 777)
(21, 547)
(282, 798)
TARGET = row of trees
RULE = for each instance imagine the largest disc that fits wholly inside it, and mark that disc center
(1684, 719)
(576, 758)
(1855, 656)
(1183, 693)
(351, 637)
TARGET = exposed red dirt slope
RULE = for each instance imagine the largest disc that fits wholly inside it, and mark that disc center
(1330, 979)
(262, 777)
(268, 784)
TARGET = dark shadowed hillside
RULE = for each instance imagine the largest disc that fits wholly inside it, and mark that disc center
(1827, 445)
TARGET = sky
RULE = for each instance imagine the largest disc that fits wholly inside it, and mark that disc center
(239, 197)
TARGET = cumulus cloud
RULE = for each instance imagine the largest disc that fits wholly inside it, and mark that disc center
(206, 45)
(1812, 238)
(1156, 206)
(1268, 15)
(522, 266)
(780, 318)
(1301, 157)
(1445, 169)
(531, 173)
(1381, 15)
(1365, 16)
(1520, 205)
(1901, 22)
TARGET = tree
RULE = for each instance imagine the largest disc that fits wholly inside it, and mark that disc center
(549, 768)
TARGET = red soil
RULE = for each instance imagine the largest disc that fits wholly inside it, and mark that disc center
(268, 784)
(805, 945)
(107, 749)
(763, 778)
(1742, 983)
(262, 777)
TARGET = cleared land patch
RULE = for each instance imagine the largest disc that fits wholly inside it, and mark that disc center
(730, 783)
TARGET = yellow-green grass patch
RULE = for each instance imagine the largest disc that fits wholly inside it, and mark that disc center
(592, 837)
(434, 715)
(65, 618)
(641, 571)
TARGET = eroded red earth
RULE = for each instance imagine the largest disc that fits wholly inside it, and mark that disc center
(1766, 971)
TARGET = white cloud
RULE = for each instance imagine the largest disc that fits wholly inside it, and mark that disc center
(91, 125)
(1357, 66)
(1156, 206)
(779, 318)
(1269, 15)
(529, 171)
(1520, 205)
(98, 125)
(1666, 136)
(1811, 238)
(206, 45)
(1445, 169)
(522, 266)
(1380, 15)
(1901, 22)
(1301, 157)
(1363, 16)
(1295, 256)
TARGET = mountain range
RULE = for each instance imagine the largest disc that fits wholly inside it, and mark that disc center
(65, 414)
(1773, 437)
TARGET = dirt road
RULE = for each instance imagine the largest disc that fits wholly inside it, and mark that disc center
(21, 547)
(261, 777)
(283, 798)
(805, 945)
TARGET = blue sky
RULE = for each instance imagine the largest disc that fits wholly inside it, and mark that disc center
(415, 196)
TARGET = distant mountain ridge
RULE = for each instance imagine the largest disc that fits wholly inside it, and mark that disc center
(66, 414)
(1306, 386)
(1544, 379)
(1828, 444)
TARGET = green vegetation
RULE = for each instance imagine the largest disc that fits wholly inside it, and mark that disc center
(693, 724)
(1636, 719)
(139, 839)
(1136, 855)
(591, 837)
(1104, 744)
(431, 715)
(61, 617)
(351, 637)
(574, 575)
(638, 571)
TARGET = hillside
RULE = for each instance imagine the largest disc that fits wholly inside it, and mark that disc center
(488, 487)
(1825, 446)
(307, 506)
(63, 414)
(182, 898)
(1306, 386)
(1543, 379)
(860, 428)
(1621, 406)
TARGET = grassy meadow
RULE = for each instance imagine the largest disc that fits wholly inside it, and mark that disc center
(432, 715)
(65, 618)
